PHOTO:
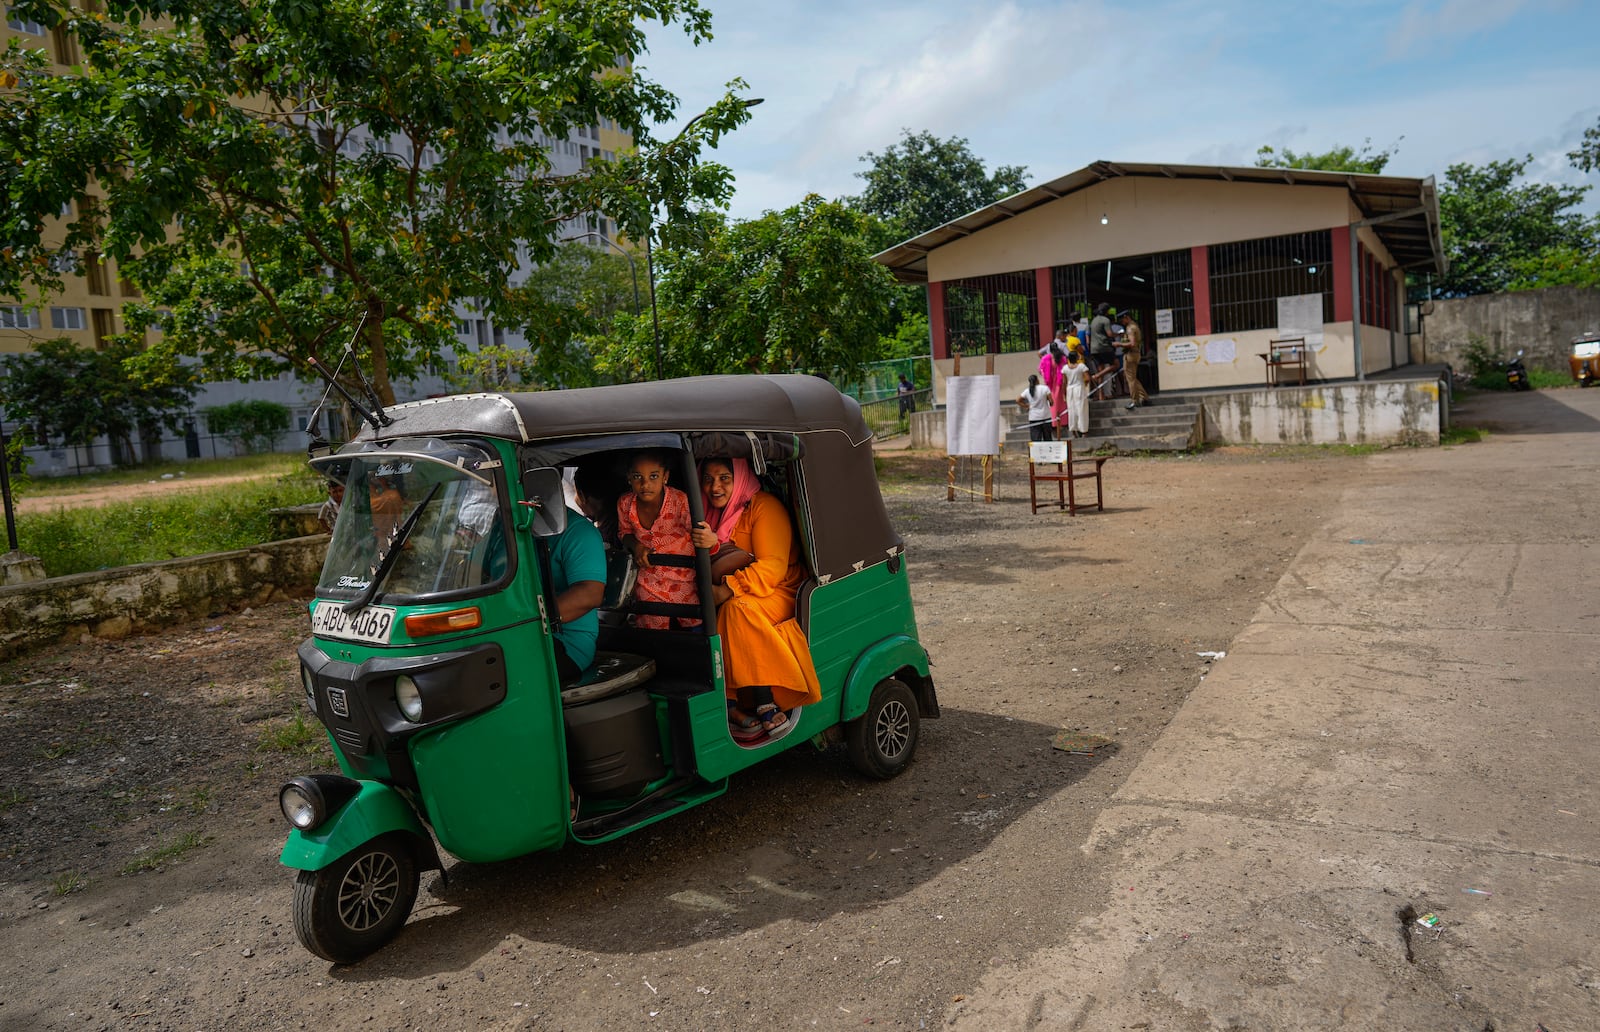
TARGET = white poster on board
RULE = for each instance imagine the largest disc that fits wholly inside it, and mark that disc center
(1221, 351)
(972, 415)
(1164, 321)
(1183, 352)
(1300, 315)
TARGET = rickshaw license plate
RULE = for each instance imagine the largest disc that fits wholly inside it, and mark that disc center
(370, 625)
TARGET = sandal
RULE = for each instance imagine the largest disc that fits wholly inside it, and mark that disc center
(772, 718)
(742, 726)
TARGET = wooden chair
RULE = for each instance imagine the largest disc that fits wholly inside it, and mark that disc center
(1067, 471)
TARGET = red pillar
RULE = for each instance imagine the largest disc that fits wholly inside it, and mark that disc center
(1045, 305)
(941, 339)
(1200, 275)
(1341, 273)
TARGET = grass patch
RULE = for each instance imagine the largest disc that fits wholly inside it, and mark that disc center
(1541, 379)
(68, 882)
(1463, 435)
(271, 464)
(161, 855)
(199, 522)
(296, 736)
(11, 798)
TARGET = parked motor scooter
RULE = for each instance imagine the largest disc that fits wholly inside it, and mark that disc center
(1517, 373)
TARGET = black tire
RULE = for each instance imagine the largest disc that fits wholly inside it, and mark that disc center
(882, 740)
(359, 902)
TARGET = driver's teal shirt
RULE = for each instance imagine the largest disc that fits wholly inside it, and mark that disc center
(578, 555)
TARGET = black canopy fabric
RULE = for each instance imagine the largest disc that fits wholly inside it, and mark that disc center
(783, 420)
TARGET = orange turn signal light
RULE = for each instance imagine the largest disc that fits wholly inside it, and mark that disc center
(425, 624)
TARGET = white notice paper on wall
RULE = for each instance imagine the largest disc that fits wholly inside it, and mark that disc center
(1221, 351)
(1301, 316)
(1164, 321)
(972, 415)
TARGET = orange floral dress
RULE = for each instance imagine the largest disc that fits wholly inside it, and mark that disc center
(668, 535)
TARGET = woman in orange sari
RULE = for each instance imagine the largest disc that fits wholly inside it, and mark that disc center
(766, 660)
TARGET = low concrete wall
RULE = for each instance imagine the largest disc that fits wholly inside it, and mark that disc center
(1389, 411)
(1374, 412)
(133, 599)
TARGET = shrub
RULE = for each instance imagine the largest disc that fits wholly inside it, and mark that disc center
(255, 425)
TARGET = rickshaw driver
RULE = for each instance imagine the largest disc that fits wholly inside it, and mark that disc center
(578, 575)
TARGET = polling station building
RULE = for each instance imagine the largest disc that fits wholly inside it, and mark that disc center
(1216, 263)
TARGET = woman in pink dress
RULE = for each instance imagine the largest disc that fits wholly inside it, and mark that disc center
(1051, 364)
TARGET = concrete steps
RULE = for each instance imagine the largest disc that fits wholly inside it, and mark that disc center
(1165, 424)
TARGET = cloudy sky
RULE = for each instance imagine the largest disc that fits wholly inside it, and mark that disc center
(1053, 86)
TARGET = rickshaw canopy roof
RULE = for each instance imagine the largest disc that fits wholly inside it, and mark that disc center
(787, 403)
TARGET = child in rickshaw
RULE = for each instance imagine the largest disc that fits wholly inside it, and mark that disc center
(653, 519)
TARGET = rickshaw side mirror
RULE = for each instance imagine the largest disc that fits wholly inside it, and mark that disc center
(542, 492)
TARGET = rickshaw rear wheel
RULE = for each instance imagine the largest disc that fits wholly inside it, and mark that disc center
(353, 906)
(882, 740)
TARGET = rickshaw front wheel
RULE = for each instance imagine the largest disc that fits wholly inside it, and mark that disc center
(359, 902)
(882, 740)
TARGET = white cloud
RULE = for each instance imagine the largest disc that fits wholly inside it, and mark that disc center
(1427, 26)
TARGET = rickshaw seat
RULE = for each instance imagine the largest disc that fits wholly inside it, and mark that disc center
(611, 673)
(802, 606)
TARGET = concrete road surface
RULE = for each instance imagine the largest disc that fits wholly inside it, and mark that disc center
(1409, 726)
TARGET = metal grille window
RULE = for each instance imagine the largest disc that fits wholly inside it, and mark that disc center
(1248, 277)
(1173, 272)
(996, 313)
(1069, 294)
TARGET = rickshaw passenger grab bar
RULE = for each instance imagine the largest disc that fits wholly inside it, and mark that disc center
(498, 676)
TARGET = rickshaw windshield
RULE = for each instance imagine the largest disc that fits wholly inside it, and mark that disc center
(435, 504)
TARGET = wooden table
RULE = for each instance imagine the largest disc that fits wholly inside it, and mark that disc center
(1287, 358)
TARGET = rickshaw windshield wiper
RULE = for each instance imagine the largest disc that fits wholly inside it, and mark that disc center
(387, 560)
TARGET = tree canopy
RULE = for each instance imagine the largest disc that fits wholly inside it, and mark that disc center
(1587, 157)
(923, 182)
(1340, 158)
(1498, 231)
(792, 290)
(282, 177)
(82, 394)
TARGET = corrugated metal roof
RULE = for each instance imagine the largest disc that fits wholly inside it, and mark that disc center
(1403, 211)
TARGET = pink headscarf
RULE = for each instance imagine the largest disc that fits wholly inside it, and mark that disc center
(745, 486)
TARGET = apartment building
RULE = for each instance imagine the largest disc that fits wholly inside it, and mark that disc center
(88, 308)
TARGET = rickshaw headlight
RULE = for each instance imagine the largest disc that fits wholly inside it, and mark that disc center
(409, 698)
(302, 803)
(310, 684)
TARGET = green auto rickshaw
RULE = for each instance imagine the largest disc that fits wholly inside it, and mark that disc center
(432, 662)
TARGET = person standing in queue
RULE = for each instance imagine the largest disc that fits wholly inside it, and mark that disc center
(1036, 399)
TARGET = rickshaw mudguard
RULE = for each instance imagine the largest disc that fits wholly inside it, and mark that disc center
(882, 659)
(375, 810)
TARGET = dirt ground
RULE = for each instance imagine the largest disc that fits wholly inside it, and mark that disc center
(139, 830)
(127, 492)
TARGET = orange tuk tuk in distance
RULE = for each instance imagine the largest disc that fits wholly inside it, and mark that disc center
(1585, 358)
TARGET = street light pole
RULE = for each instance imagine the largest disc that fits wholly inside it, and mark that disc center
(650, 232)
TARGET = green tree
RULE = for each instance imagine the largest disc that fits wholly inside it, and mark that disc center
(579, 293)
(254, 425)
(286, 176)
(1563, 266)
(795, 290)
(82, 394)
(1340, 158)
(922, 182)
(1496, 230)
(1587, 157)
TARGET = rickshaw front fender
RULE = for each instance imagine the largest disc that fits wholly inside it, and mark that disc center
(375, 810)
(882, 660)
